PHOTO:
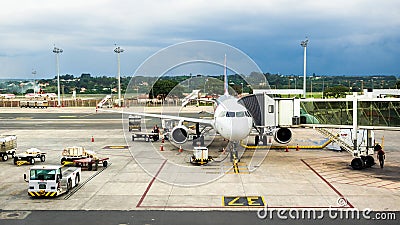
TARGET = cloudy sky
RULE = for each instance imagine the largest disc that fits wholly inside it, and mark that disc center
(356, 37)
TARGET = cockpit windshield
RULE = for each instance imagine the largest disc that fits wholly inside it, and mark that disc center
(42, 174)
(240, 114)
(235, 114)
(230, 114)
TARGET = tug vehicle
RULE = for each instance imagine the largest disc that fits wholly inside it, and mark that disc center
(51, 181)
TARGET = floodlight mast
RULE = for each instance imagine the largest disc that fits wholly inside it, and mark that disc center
(34, 81)
(57, 51)
(119, 50)
(304, 45)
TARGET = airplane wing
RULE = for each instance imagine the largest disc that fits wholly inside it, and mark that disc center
(164, 116)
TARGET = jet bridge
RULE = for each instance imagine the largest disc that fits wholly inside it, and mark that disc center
(355, 112)
(272, 116)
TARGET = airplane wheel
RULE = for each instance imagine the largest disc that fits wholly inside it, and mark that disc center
(369, 161)
(357, 164)
(42, 158)
(31, 161)
(5, 157)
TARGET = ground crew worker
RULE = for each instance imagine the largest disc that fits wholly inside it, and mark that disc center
(380, 155)
(157, 131)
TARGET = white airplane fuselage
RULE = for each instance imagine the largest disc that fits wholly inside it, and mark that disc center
(232, 120)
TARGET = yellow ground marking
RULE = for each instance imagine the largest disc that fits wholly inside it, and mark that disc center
(243, 201)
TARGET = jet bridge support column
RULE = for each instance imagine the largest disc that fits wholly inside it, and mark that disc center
(355, 128)
(359, 162)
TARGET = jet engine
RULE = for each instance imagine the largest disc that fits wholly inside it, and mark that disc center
(283, 135)
(179, 134)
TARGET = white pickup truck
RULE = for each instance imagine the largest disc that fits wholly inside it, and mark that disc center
(51, 181)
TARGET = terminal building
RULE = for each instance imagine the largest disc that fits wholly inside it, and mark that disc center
(274, 117)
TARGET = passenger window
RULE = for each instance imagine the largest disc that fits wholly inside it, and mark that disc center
(271, 108)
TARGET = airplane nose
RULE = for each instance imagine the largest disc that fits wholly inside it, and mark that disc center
(240, 129)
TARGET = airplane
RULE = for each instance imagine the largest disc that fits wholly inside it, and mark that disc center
(228, 116)
(230, 119)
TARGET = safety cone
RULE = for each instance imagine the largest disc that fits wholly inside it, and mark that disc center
(162, 140)
(287, 149)
(92, 139)
(297, 148)
(180, 148)
(161, 148)
(96, 109)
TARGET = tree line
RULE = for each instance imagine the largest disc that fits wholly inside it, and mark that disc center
(331, 86)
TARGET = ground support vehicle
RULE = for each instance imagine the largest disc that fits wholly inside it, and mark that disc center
(70, 154)
(8, 146)
(33, 103)
(91, 163)
(200, 156)
(106, 101)
(51, 181)
(134, 123)
(146, 135)
(29, 157)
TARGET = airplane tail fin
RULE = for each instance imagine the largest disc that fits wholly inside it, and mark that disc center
(225, 79)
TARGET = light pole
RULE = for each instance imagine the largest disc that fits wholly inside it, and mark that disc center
(304, 45)
(205, 86)
(34, 81)
(118, 50)
(57, 51)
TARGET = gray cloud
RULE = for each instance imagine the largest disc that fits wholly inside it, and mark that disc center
(346, 37)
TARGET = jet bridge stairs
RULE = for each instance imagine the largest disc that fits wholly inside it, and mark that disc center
(361, 160)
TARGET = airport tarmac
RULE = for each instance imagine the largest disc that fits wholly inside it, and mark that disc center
(317, 179)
